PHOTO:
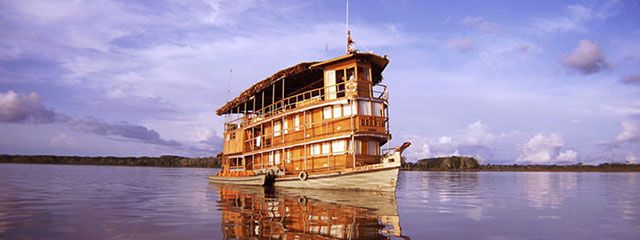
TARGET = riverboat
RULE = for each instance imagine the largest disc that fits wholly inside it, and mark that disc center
(319, 125)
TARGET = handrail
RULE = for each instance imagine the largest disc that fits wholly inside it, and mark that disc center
(383, 94)
(317, 93)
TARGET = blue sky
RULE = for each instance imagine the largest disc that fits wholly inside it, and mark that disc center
(505, 81)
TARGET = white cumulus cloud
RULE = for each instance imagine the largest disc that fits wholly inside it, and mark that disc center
(630, 131)
(475, 140)
(542, 149)
(15, 108)
(567, 156)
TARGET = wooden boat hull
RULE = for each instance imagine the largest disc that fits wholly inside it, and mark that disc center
(384, 178)
(257, 180)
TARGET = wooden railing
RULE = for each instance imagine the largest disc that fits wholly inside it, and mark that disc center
(303, 99)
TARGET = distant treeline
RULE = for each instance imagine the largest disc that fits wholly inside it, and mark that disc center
(456, 163)
(604, 167)
(453, 163)
(162, 161)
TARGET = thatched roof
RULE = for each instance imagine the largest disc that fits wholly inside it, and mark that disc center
(299, 69)
(297, 77)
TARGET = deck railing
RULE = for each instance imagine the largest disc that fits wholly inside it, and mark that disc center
(379, 91)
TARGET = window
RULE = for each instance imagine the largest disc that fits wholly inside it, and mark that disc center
(325, 148)
(277, 157)
(351, 73)
(258, 141)
(326, 113)
(358, 145)
(347, 109)
(315, 149)
(341, 80)
(339, 76)
(270, 158)
(373, 148)
(365, 108)
(276, 128)
(377, 109)
(330, 85)
(296, 122)
(338, 146)
(337, 111)
(285, 126)
(363, 74)
(231, 136)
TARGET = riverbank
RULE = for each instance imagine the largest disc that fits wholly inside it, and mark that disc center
(457, 163)
(162, 161)
(605, 167)
(453, 163)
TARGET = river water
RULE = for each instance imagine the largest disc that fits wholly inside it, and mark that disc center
(100, 202)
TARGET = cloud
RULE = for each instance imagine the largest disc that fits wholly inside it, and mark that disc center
(475, 140)
(630, 131)
(631, 158)
(577, 16)
(212, 141)
(587, 58)
(541, 149)
(15, 108)
(525, 48)
(29, 108)
(461, 44)
(567, 156)
(623, 147)
(633, 79)
(62, 139)
(123, 131)
(482, 25)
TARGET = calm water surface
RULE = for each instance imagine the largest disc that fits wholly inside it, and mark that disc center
(98, 202)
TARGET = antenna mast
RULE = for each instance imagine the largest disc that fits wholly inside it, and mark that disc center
(349, 40)
(347, 18)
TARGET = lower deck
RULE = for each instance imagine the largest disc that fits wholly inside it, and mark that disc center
(320, 157)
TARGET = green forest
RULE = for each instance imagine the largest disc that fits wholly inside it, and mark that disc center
(162, 161)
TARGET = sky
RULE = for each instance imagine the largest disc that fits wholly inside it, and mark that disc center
(508, 82)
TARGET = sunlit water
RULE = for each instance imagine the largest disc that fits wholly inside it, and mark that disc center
(98, 202)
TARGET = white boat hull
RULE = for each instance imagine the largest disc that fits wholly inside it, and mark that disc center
(376, 177)
(383, 179)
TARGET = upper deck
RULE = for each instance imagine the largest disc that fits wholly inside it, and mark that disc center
(299, 81)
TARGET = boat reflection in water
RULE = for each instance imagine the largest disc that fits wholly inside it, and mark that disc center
(267, 212)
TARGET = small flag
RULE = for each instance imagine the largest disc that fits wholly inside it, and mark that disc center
(350, 41)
